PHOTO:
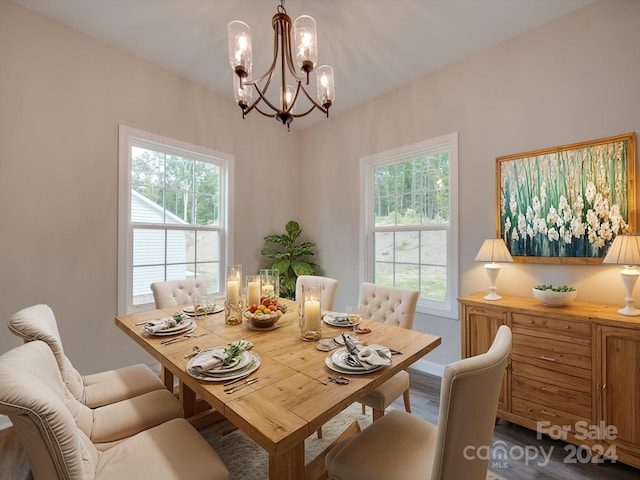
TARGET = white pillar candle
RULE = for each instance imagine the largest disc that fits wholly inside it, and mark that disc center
(253, 293)
(268, 291)
(233, 292)
(312, 315)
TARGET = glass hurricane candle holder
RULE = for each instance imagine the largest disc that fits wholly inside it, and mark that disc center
(311, 316)
(233, 301)
(270, 283)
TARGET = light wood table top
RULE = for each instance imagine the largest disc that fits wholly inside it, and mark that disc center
(288, 402)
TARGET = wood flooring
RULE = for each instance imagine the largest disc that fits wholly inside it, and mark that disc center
(564, 461)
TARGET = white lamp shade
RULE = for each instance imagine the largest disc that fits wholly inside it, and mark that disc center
(494, 250)
(625, 250)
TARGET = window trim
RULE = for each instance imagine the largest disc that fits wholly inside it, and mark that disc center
(125, 227)
(448, 308)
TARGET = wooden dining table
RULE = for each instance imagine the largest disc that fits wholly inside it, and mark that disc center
(292, 398)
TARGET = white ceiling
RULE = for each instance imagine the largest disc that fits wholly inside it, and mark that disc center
(374, 46)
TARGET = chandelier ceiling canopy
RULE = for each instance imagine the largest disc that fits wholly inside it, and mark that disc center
(292, 76)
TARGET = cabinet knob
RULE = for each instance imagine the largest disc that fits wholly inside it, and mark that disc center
(548, 359)
(549, 413)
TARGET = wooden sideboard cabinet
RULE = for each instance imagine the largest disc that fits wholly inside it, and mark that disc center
(574, 371)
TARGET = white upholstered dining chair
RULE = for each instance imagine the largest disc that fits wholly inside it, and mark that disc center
(401, 446)
(38, 322)
(109, 406)
(34, 397)
(392, 306)
(329, 288)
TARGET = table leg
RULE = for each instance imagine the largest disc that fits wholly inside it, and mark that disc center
(167, 378)
(187, 399)
(289, 465)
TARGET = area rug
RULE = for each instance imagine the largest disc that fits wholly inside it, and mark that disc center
(247, 461)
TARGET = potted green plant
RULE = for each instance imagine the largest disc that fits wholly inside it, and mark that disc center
(290, 259)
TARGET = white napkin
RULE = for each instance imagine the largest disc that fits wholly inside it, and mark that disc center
(209, 361)
(371, 355)
(215, 358)
(160, 324)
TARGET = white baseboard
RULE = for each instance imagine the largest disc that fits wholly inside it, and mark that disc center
(426, 366)
(5, 422)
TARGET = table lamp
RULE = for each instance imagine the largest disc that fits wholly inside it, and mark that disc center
(625, 250)
(493, 250)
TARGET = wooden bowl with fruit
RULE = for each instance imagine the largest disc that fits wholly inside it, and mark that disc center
(265, 315)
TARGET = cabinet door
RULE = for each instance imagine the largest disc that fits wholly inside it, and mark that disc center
(479, 329)
(619, 385)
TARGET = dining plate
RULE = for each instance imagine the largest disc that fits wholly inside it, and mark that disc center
(339, 358)
(332, 318)
(337, 368)
(182, 327)
(215, 309)
(210, 376)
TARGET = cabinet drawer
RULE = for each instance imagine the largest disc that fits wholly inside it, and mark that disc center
(552, 325)
(550, 376)
(556, 397)
(540, 413)
(553, 351)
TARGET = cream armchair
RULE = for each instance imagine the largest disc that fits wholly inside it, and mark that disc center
(39, 323)
(177, 292)
(123, 415)
(401, 446)
(393, 306)
(32, 395)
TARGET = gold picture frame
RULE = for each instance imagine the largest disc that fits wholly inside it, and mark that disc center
(565, 205)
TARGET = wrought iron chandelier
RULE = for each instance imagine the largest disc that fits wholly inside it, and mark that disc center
(306, 56)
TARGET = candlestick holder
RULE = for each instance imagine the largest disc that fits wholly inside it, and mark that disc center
(233, 302)
(311, 313)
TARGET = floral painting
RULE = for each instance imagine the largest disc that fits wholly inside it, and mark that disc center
(567, 204)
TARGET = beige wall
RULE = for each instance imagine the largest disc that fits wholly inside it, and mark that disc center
(572, 80)
(63, 94)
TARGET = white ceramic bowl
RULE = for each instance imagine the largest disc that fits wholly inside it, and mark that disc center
(550, 298)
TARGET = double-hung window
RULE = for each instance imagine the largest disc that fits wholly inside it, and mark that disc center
(174, 215)
(409, 221)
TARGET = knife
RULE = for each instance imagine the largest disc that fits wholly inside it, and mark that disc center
(246, 383)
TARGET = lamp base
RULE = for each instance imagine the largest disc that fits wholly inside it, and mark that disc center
(492, 296)
(492, 270)
(629, 311)
(629, 277)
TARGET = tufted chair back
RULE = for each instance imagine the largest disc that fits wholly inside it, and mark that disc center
(177, 292)
(395, 306)
(39, 323)
(329, 288)
(34, 398)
